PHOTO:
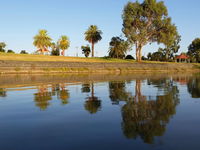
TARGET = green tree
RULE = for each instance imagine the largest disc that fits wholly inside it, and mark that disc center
(93, 35)
(2, 47)
(86, 50)
(171, 46)
(149, 56)
(194, 50)
(55, 50)
(42, 41)
(64, 44)
(145, 23)
(23, 52)
(118, 47)
(10, 51)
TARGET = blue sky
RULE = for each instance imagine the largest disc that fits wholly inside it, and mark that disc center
(21, 20)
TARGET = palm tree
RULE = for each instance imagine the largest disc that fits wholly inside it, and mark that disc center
(64, 43)
(93, 35)
(42, 41)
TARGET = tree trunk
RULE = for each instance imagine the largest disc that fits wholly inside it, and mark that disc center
(63, 52)
(138, 52)
(92, 90)
(92, 49)
(42, 51)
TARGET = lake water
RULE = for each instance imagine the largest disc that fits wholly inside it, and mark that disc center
(88, 112)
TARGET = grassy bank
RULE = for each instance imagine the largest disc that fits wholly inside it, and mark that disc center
(22, 63)
(30, 57)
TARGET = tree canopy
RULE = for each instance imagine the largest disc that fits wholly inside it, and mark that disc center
(93, 35)
(194, 50)
(64, 43)
(42, 41)
(147, 22)
(118, 47)
(2, 46)
(86, 50)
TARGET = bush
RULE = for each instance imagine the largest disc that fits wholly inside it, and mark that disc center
(23, 52)
(129, 57)
(10, 51)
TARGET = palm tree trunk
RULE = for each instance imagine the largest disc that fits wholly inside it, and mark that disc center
(63, 52)
(92, 49)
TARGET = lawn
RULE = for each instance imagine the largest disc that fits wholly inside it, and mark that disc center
(31, 57)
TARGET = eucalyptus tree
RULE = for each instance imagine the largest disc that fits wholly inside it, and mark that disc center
(93, 35)
(146, 22)
(64, 44)
(118, 47)
(42, 41)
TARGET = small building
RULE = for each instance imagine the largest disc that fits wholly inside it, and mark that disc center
(182, 58)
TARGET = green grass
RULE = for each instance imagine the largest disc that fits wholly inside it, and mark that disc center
(31, 57)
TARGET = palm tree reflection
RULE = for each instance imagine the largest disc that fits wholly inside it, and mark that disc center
(118, 92)
(44, 95)
(92, 103)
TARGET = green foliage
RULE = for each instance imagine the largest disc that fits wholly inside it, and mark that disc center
(93, 35)
(86, 50)
(64, 43)
(118, 47)
(42, 41)
(10, 51)
(145, 23)
(23, 52)
(171, 48)
(2, 47)
(129, 57)
(55, 50)
(194, 50)
(194, 87)
(157, 56)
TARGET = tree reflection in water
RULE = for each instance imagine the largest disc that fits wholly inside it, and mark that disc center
(3, 92)
(146, 118)
(44, 95)
(194, 87)
(118, 92)
(92, 103)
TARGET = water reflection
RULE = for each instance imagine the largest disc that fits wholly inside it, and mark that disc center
(44, 95)
(194, 87)
(2, 92)
(144, 115)
(118, 92)
(92, 103)
(148, 118)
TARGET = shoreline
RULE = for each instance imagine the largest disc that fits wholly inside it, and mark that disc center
(61, 67)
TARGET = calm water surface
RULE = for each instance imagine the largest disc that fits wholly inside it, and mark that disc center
(161, 113)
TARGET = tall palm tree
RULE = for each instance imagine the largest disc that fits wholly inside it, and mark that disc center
(93, 35)
(64, 43)
(42, 41)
